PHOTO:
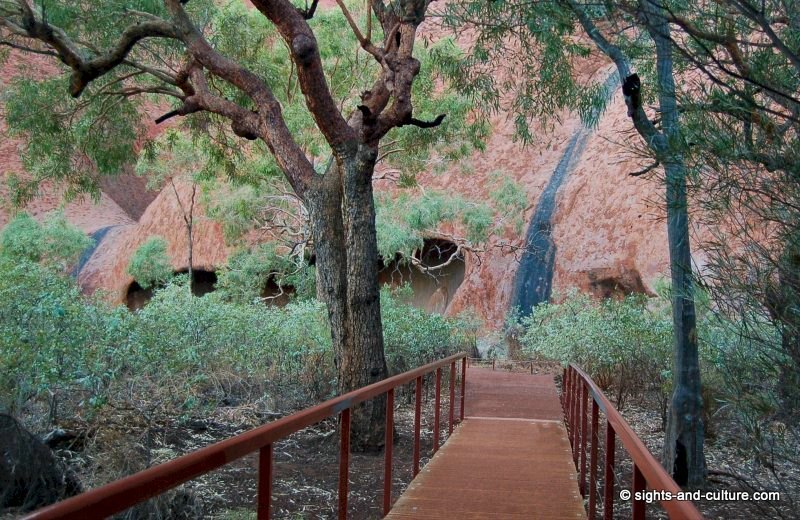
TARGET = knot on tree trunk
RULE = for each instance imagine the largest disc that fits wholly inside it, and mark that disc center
(304, 48)
(242, 129)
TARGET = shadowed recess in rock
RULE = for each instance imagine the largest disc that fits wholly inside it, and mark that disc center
(433, 290)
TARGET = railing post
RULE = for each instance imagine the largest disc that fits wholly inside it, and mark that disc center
(593, 461)
(264, 482)
(608, 474)
(463, 385)
(576, 448)
(452, 396)
(492, 364)
(567, 398)
(387, 454)
(639, 485)
(572, 386)
(437, 410)
(417, 420)
(584, 436)
(344, 462)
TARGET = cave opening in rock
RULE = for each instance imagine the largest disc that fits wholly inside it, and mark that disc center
(202, 283)
(432, 288)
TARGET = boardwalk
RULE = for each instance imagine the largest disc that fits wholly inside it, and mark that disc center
(509, 459)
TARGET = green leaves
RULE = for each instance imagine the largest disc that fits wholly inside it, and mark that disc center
(150, 265)
(65, 140)
(55, 243)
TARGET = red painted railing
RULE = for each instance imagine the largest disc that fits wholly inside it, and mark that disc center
(647, 471)
(127, 492)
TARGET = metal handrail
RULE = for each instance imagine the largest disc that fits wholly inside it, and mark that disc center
(647, 471)
(124, 493)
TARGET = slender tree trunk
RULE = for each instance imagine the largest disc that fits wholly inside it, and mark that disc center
(683, 440)
(342, 212)
(784, 308)
(191, 253)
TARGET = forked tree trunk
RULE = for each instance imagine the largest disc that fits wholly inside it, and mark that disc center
(342, 213)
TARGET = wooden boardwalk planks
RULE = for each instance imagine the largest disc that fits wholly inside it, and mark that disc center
(509, 459)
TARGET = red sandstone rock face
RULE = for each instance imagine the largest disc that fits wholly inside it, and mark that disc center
(107, 268)
(609, 225)
(608, 228)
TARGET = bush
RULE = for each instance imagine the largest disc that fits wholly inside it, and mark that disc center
(52, 340)
(150, 265)
(181, 350)
(55, 243)
(623, 345)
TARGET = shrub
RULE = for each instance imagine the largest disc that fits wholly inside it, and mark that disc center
(624, 345)
(413, 337)
(55, 243)
(150, 265)
(52, 340)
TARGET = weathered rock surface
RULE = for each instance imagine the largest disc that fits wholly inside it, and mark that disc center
(607, 227)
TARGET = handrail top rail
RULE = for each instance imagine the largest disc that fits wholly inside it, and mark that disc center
(654, 473)
(121, 494)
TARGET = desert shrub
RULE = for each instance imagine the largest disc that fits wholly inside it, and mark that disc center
(52, 340)
(198, 339)
(413, 337)
(62, 348)
(150, 265)
(248, 271)
(624, 345)
(55, 242)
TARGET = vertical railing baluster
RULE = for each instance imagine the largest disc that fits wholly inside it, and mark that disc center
(344, 462)
(492, 364)
(264, 482)
(639, 485)
(608, 474)
(584, 435)
(593, 461)
(387, 454)
(417, 419)
(576, 448)
(463, 385)
(437, 409)
(572, 382)
(452, 396)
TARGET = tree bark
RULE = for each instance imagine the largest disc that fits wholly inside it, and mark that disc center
(683, 440)
(342, 212)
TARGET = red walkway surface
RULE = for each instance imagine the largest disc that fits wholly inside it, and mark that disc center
(509, 459)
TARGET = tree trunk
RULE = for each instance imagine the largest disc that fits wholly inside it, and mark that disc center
(683, 440)
(784, 308)
(342, 212)
(189, 236)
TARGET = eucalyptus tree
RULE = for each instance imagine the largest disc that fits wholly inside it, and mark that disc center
(742, 121)
(262, 88)
(544, 41)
